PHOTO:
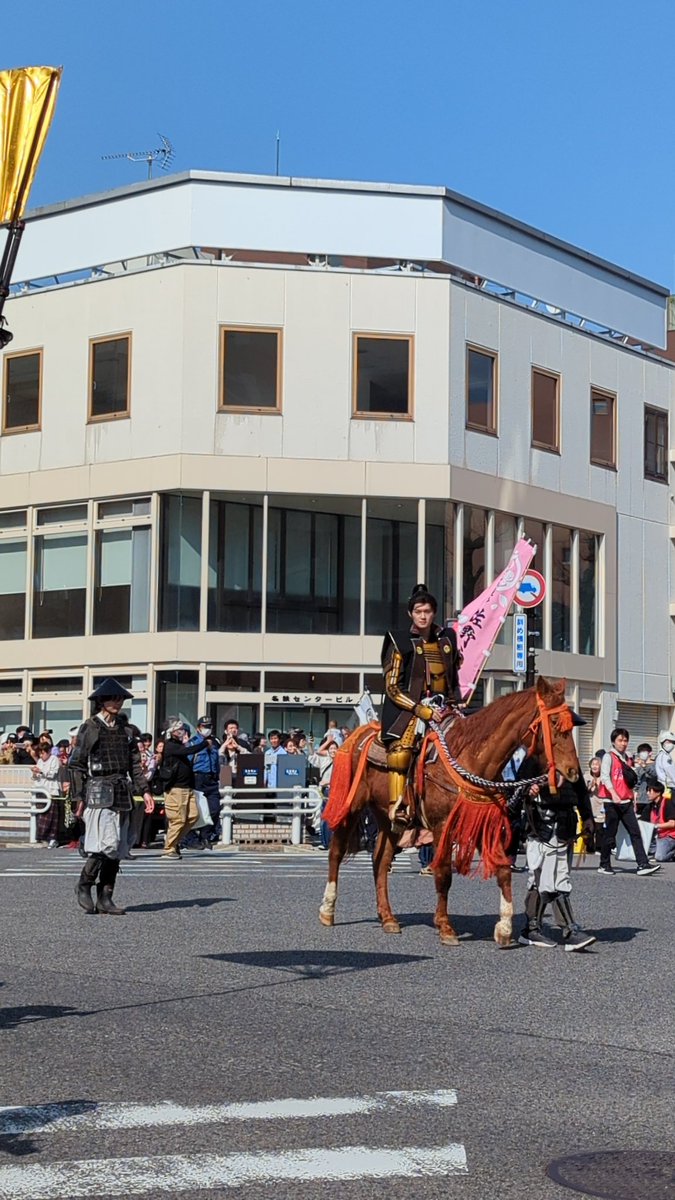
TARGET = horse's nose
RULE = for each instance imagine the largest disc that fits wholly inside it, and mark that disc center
(573, 775)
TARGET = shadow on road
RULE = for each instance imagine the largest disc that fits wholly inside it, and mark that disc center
(316, 964)
(27, 1014)
(23, 1120)
(161, 905)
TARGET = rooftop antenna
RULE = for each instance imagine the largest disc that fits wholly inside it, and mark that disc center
(163, 155)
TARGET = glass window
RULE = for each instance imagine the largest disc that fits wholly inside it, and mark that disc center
(248, 716)
(177, 695)
(57, 715)
(109, 378)
(10, 687)
(180, 562)
(235, 564)
(480, 390)
(391, 563)
(561, 608)
(545, 422)
(250, 368)
(505, 537)
(138, 507)
(603, 437)
(22, 392)
(122, 585)
(656, 444)
(313, 565)
(310, 681)
(473, 554)
(440, 554)
(66, 514)
(16, 519)
(59, 683)
(59, 591)
(588, 592)
(10, 717)
(223, 680)
(536, 532)
(12, 590)
(382, 376)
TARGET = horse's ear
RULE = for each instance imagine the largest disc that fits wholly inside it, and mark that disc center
(543, 686)
(550, 687)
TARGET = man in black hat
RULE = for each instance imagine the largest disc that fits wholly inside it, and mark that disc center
(104, 761)
(419, 662)
(551, 817)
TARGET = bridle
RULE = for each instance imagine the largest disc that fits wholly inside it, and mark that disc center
(543, 723)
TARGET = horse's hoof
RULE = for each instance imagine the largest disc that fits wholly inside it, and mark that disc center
(326, 918)
(449, 939)
(391, 927)
(505, 945)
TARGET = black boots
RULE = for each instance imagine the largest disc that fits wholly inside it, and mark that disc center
(105, 887)
(531, 934)
(86, 881)
(573, 937)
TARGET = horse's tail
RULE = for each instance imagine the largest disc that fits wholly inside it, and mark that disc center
(344, 781)
(475, 825)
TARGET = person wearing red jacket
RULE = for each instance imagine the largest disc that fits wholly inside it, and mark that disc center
(617, 789)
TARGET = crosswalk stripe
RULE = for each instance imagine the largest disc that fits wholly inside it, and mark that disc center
(178, 1173)
(65, 1118)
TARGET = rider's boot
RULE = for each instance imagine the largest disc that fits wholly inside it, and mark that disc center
(531, 934)
(86, 881)
(574, 938)
(398, 763)
(105, 887)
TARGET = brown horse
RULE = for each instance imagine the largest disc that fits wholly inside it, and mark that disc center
(482, 743)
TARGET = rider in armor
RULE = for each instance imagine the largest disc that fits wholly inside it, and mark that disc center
(104, 765)
(420, 666)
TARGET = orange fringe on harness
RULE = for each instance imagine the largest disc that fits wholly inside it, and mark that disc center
(477, 821)
(343, 783)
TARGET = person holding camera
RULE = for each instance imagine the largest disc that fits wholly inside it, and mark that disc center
(617, 789)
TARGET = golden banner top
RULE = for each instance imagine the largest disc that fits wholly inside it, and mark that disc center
(27, 102)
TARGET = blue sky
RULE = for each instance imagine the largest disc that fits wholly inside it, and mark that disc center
(558, 114)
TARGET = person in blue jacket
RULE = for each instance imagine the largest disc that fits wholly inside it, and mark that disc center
(206, 766)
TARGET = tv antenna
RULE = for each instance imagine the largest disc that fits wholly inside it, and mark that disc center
(163, 155)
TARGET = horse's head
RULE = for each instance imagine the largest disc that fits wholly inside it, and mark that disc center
(552, 740)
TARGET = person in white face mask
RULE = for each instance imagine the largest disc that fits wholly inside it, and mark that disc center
(665, 760)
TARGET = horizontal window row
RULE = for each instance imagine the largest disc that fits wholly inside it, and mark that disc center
(382, 387)
(283, 564)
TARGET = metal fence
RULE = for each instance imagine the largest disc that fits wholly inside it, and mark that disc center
(19, 805)
(291, 807)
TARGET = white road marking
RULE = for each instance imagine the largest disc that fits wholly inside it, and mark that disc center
(60, 1118)
(177, 1173)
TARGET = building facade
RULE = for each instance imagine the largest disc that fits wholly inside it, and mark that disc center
(243, 416)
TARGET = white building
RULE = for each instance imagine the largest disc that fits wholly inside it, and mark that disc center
(242, 416)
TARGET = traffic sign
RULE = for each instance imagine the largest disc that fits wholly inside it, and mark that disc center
(519, 643)
(532, 589)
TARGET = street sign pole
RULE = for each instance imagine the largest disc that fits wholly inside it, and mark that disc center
(532, 648)
(520, 643)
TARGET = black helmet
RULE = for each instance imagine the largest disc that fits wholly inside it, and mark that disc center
(421, 595)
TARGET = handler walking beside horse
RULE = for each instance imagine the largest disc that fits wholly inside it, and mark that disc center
(417, 663)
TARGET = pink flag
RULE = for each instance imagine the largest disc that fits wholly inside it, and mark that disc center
(479, 623)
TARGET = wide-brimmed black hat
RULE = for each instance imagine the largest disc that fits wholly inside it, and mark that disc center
(108, 688)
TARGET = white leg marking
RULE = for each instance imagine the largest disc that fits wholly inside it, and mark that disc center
(329, 898)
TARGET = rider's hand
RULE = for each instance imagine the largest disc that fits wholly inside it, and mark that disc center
(424, 712)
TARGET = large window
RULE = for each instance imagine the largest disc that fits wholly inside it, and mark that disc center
(22, 392)
(177, 696)
(313, 565)
(12, 590)
(382, 374)
(505, 537)
(603, 428)
(250, 369)
(391, 562)
(122, 587)
(481, 372)
(180, 562)
(440, 554)
(561, 606)
(536, 532)
(473, 554)
(588, 592)
(545, 410)
(109, 370)
(656, 444)
(235, 564)
(59, 591)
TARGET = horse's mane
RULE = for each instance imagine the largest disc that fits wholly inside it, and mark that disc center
(473, 731)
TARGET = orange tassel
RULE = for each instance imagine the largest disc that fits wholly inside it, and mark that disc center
(474, 825)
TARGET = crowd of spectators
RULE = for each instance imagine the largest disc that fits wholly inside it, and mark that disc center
(638, 792)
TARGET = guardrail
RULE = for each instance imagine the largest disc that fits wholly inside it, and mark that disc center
(295, 803)
(14, 801)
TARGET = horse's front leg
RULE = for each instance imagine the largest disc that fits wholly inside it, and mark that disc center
(383, 855)
(503, 933)
(446, 931)
(336, 852)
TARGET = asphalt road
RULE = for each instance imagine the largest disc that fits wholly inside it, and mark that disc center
(221, 990)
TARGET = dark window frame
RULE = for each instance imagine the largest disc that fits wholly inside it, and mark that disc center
(223, 331)
(660, 416)
(602, 394)
(491, 428)
(359, 414)
(8, 430)
(95, 418)
(550, 448)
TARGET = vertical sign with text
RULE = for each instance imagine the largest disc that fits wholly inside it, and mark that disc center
(519, 643)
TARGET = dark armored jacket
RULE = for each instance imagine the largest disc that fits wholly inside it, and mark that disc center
(548, 814)
(106, 752)
(405, 675)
